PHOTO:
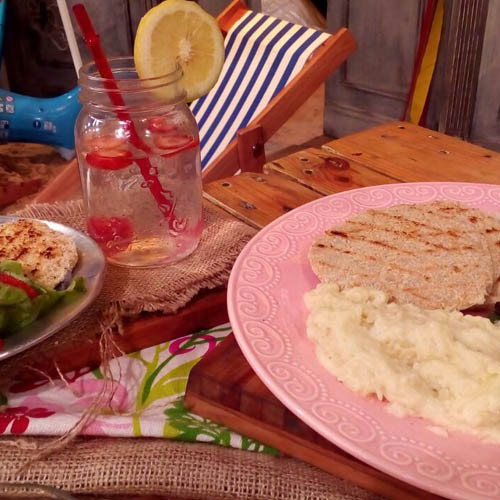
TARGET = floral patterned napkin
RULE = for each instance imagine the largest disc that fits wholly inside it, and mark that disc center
(147, 401)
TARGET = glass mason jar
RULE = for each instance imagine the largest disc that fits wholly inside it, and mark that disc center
(139, 158)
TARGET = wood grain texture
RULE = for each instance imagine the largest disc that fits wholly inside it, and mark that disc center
(371, 87)
(325, 172)
(463, 42)
(228, 392)
(258, 199)
(234, 11)
(414, 154)
(206, 310)
(251, 153)
(486, 121)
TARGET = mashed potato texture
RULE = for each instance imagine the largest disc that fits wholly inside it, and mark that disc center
(444, 366)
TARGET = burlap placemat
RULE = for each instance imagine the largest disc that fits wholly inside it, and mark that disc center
(161, 467)
(128, 292)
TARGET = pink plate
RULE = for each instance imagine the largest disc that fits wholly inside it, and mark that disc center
(267, 312)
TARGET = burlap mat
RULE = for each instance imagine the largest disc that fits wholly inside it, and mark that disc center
(128, 292)
(160, 467)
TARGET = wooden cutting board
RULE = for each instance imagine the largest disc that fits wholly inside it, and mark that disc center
(223, 387)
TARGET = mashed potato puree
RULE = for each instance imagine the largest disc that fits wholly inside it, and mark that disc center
(441, 365)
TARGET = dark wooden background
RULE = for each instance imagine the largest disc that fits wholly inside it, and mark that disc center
(370, 89)
(37, 57)
(36, 54)
(373, 85)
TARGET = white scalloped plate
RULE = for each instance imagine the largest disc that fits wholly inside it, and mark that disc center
(267, 313)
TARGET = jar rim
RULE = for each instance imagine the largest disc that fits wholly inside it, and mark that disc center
(90, 78)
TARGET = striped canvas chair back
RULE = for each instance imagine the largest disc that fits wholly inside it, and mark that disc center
(263, 54)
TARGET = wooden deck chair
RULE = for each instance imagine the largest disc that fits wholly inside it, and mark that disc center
(271, 68)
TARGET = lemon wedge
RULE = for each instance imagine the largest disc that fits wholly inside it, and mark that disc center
(180, 31)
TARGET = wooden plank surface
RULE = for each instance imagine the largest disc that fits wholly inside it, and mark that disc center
(224, 388)
(326, 173)
(258, 199)
(416, 154)
(373, 84)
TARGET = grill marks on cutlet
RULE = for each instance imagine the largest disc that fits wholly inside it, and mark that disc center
(373, 242)
(348, 238)
(385, 249)
(415, 235)
(22, 252)
(488, 227)
(492, 233)
(337, 233)
(404, 234)
(18, 241)
(394, 266)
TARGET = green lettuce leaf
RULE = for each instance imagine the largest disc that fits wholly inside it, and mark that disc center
(12, 267)
(17, 310)
(21, 315)
(10, 295)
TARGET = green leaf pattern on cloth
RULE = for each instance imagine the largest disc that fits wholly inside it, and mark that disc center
(191, 427)
(147, 399)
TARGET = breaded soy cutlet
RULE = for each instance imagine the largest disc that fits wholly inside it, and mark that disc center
(47, 256)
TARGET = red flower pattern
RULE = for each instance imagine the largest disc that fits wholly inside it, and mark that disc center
(20, 418)
(176, 347)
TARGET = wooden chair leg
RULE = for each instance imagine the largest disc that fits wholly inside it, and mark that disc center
(251, 152)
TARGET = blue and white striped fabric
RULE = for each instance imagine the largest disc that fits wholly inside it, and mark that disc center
(262, 55)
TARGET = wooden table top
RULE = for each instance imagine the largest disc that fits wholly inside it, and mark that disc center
(390, 153)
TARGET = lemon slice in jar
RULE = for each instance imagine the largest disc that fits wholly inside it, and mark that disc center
(180, 31)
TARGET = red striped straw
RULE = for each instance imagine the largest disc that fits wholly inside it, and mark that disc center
(166, 204)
